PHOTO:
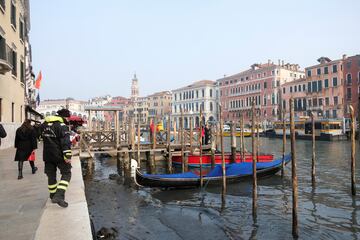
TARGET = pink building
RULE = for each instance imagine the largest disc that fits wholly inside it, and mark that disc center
(261, 84)
(325, 88)
(297, 90)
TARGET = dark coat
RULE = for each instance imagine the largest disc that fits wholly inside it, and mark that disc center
(2, 132)
(25, 143)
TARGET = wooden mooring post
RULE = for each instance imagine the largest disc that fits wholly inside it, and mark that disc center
(353, 181)
(152, 162)
(201, 143)
(138, 145)
(223, 192)
(168, 136)
(257, 137)
(254, 189)
(295, 230)
(313, 149)
(213, 146)
(233, 142)
(191, 136)
(284, 144)
(242, 140)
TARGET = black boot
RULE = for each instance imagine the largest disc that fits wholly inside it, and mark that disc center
(52, 195)
(33, 168)
(59, 198)
(20, 168)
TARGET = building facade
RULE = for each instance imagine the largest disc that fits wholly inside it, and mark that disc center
(76, 107)
(297, 90)
(352, 83)
(325, 88)
(14, 28)
(190, 99)
(260, 84)
(159, 105)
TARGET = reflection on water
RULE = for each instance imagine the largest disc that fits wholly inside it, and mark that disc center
(326, 210)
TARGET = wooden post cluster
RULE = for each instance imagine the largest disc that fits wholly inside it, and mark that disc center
(293, 171)
(254, 195)
(353, 183)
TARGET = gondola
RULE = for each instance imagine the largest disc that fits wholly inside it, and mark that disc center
(194, 160)
(234, 172)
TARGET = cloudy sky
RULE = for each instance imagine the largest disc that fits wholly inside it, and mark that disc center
(87, 48)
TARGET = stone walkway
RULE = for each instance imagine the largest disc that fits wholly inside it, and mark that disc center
(26, 213)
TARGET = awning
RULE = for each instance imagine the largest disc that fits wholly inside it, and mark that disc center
(33, 112)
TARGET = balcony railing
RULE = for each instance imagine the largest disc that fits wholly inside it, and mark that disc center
(5, 57)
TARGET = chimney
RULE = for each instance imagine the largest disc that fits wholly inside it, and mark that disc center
(269, 62)
(282, 63)
(279, 62)
(344, 56)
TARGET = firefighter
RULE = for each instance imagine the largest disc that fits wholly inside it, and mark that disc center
(57, 154)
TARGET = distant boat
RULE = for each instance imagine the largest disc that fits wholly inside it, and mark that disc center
(234, 172)
(194, 160)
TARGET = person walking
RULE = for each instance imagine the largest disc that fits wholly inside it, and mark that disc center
(57, 155)
(2, 132)
(25, 144)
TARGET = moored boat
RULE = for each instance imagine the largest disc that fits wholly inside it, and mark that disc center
(194, 160)
(234, 172)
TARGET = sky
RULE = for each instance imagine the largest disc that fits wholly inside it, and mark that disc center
(88, 48)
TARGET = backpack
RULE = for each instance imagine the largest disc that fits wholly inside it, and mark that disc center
(2, 131)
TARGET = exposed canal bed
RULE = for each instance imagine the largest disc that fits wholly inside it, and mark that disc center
(327, 211)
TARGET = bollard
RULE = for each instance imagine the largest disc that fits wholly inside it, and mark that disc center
(313, 149)
(353, 183)
(293, 171)
(254, 195)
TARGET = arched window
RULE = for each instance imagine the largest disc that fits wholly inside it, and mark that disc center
(348, 79)
(211, 106)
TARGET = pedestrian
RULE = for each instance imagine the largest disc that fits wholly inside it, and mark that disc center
(207, 134)
(57, 155)
(203, 135)
(25, 144)
(2, 132)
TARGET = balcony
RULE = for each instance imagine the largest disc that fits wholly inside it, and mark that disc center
(5, 57)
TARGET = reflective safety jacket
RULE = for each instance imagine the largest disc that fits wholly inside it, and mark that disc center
(56, 136)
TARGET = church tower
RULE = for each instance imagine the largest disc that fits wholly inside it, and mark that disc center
(134, 88)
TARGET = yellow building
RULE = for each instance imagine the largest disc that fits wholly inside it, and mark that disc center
(14, 26)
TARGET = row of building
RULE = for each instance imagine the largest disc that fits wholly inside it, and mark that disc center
(327, 89)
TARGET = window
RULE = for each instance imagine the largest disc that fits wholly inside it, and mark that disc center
(180, 95)
(12, 112)
(326, 83)
(2, 4)
(265, 85)
(314, 86)
(283, 90)
(304, 87)
(309, 73)
(203, 92)
(334, 114)
(309, 102)
(327, 102)
(315, 102)
(319, 85)
(22, 72)
(348, 93)
(326, 70)
(318, 71)
(14, 62)
(348, 79)
(264, 100)
(175, 96)
(320, 101)
(13, 15)
(197, 93)
(299, 88)
(336, 100)
(21, 32)
(335, 81)
(334, 68)
(291, 89)
(175, 108)
(295, 88)
(309, 86)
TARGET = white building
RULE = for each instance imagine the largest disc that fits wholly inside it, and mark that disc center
(99, 102)
(50, 107)
(201, 94)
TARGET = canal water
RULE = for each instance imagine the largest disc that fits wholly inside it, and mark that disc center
(327, 211)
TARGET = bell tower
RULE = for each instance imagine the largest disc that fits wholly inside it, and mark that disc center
(134, 88)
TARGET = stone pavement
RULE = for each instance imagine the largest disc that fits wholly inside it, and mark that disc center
(25, 211)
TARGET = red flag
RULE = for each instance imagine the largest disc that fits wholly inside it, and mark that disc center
(38, 81)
